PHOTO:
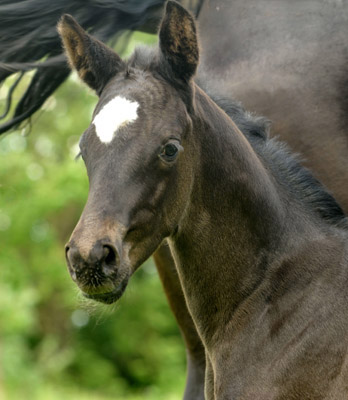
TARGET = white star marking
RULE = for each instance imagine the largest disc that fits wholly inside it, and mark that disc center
(115, 114)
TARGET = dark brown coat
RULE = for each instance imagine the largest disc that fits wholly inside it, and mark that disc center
(260, 246)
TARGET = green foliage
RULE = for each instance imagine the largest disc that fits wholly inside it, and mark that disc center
(53, 343)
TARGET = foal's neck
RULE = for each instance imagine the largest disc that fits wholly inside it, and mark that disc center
(234, 224)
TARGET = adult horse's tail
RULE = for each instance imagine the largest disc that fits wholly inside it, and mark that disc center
(28, 36)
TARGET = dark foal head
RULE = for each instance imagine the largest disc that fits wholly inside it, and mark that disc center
(138, 150)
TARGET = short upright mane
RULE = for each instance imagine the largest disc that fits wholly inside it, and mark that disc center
(285, 165)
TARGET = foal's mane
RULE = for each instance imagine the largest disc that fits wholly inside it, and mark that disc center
(284, 164)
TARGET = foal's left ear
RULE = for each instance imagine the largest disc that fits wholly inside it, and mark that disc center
(178, 41)
(95, 63)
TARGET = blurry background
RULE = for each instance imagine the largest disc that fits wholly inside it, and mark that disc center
(53, 343)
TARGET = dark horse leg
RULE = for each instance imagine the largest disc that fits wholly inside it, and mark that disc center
(209, 380)
(194, 347)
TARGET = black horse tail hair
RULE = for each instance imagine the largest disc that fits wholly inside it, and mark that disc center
(28, 35)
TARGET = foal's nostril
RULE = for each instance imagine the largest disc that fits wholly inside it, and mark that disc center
(67, 248)
(70, 261)
(109, 255)
(109, 260)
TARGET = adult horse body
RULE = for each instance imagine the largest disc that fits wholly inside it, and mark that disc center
(286, 60)
(260, 246)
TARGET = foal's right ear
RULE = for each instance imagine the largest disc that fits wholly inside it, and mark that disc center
(178, 41)
(94, 62)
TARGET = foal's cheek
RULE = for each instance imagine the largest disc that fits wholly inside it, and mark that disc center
(140, 251)
(180, 188)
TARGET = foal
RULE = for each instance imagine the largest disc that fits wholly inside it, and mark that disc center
(259, 245)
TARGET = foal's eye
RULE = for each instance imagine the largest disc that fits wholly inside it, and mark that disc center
(170, 151)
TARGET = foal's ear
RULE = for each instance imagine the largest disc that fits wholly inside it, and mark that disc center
(95, 63)
(178, 41)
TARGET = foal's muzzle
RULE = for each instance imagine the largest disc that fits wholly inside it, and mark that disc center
(98, 275)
